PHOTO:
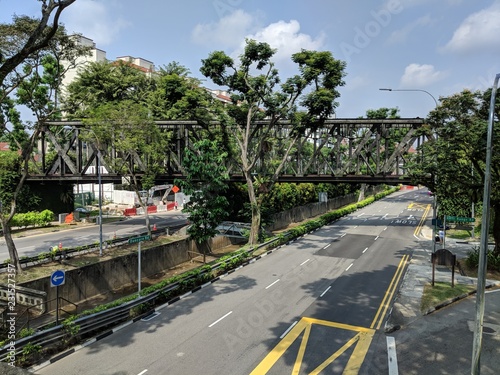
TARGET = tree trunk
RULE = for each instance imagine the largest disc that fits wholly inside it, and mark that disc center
(253, 239)
(14, 258)
(148, 222)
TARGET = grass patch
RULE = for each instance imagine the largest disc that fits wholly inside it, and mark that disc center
(440, 292)
(459, 234)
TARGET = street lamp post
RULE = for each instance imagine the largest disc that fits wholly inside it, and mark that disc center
(100, 199)
(434, 202)
(483, 249)
(427, 92)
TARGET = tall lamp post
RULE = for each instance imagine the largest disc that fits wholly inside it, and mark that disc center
(100, 198)
(434, 203)
(485, 224)
(418, 90)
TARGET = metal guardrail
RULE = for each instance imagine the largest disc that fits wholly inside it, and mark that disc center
(110, 317)
(64, 253)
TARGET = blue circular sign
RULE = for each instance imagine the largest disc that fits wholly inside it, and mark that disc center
(57, 278)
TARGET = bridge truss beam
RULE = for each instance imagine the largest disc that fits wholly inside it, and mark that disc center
(341, 150)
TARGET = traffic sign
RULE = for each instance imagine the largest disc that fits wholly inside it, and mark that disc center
(437, 222)
(139, 239)
(57, 278)
(458, 219)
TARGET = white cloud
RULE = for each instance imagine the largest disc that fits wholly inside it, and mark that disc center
(232, 30)
(477, 32)
(399, 36)
(355, 83)
(94, 20)
(417, 75)
(287, 39)
(229, 31)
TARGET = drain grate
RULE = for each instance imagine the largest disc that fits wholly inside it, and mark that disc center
(150, 316)
(488, 330)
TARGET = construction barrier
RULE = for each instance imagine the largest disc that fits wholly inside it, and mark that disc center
(130, 212)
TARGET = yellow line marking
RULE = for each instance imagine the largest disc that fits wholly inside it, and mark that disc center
(335, 355)
(384, 305)
(359, 354)
(273, 356)
(305, 325)
(363, 337)
(417, 205)
(302, 350)
(422, 221)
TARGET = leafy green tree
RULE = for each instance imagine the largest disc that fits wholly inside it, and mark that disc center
(177, 96)
(20, 41)
(256, 94)
(105, 82)
(134, 137)
(382, 113)
(25, 45)
(205, 183)
(456, 154)
(10, 166)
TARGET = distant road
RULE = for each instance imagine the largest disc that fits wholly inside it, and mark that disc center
(313, 306)
(32, 245)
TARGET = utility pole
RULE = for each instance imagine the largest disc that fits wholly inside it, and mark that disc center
(485, 224)
(434, 200)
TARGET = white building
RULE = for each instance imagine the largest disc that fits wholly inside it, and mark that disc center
(98, 55)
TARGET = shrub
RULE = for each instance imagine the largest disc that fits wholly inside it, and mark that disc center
(472, 259)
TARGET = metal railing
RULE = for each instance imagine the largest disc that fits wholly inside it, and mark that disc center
(64, 253)
(91, 324)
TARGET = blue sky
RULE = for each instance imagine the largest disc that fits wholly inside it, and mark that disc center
(440, 46)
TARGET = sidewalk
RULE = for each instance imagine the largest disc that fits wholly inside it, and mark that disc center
(406, 307)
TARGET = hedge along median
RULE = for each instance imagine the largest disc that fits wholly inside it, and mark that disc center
(234, 259)
(193, 279)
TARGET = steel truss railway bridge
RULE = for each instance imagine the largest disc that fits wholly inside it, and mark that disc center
(369, 151)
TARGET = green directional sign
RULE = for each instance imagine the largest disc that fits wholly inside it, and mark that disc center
(458, 219)
(139, 239)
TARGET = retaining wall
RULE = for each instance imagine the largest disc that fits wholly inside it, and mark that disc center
(103, 277)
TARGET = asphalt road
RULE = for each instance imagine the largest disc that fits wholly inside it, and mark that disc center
(314, 306)
(34, 244)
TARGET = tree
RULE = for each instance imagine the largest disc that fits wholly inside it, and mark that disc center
(18, 42)
(256, 94)
(134, 137)
(24, 45)
(105, 82)
(456, 155)
(10, 175)
(205, 183)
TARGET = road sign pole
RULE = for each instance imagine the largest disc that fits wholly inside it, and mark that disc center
(444, 231)
(139, 267)
(483, 248)
(57, 305)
